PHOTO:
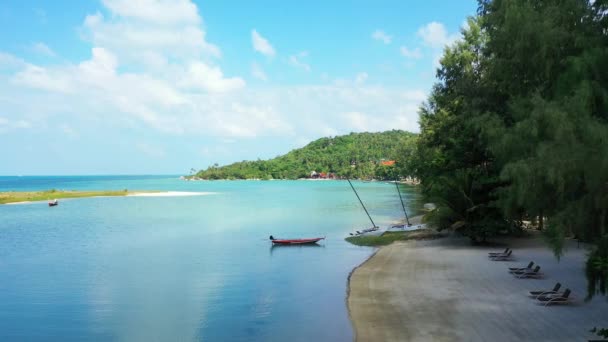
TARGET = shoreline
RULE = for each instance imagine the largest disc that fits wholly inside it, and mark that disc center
(196, 179)
(449, 290)
(348, 292)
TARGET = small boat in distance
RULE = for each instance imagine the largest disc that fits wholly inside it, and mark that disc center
(295, 241)
(53, 203)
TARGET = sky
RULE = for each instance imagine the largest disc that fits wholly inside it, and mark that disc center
(163, 86)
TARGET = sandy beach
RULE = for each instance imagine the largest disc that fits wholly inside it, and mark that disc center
(448, 290)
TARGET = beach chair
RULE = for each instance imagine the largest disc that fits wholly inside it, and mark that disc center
(498, 253)
(544, 293)
(529, 273)
(502, 257)
(514, 269)
(563, 298)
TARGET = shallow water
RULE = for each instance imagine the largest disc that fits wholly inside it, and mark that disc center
(183, 268)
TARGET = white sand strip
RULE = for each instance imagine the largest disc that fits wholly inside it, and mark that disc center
(448, 290)
(172, 194)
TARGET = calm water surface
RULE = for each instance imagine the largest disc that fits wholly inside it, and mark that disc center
(183, 268)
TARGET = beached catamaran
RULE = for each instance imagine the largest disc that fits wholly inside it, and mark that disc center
(373, 227)
(407, 219)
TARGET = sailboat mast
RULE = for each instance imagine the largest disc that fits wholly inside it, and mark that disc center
(360, 201)
(402, 205)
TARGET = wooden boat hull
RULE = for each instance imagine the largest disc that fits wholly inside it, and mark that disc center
(296, 241)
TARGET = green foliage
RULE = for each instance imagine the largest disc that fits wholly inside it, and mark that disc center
(457, 171)
(600, 332)
(546, 64)
(597, 269)
(356, 155)
(516, 126)
(555, 237)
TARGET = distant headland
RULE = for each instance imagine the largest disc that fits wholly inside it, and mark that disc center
(365, 156)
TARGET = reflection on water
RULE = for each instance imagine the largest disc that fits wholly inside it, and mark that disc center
(185, 268)
(276, 247)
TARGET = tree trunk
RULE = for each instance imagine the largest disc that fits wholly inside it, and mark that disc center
(602, 223)
(541, 221)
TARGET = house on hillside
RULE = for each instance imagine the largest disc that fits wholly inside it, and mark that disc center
(387, 163)
(322, 175)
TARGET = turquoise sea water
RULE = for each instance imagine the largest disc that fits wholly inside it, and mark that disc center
(183, 268)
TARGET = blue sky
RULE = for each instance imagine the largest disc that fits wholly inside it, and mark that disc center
(161, 86)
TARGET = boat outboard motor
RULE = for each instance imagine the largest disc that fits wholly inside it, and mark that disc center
(271, 237)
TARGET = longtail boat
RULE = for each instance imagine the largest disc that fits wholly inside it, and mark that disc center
(295, 241)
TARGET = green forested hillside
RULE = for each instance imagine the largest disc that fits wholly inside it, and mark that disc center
(356, 155)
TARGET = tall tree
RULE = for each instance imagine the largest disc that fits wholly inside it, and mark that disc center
(546, 62)
(452, 158)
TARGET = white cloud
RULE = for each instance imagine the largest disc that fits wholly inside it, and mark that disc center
(185, 91)
(133, 101)
(42, 49)
(258, 72)
(155, 29)
(22, 124)
(415, 53)
(39, 78)
(382, 36)
(435, 35)
(361, 78)
(415, 96)
(147, 97)
(166, 12)
(437, 60)
(7, 125)
(151, 150)
(213, 151)
(261, 44)
(357, 121)
(166, 79)
(296, 61)
(10, 62)
(205, 77)
(331, 110)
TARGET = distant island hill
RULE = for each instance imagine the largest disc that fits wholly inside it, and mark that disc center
(368, 156)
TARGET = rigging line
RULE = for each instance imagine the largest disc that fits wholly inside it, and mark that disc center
(402, 205)
(360, 201)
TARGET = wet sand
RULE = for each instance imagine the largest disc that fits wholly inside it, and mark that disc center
(448, 290)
